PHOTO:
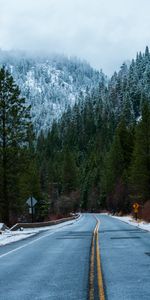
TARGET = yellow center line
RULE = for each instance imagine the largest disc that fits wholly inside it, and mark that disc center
(91, 283)
(99, 267)
(95, 239)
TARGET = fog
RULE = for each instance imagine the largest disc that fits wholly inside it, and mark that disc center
(103, 32)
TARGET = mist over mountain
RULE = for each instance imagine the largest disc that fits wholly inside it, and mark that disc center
(50, 83)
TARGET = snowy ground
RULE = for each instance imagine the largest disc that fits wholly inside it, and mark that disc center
(8, 236)
(130, 220)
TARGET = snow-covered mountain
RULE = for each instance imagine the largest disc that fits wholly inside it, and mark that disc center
(50, 83)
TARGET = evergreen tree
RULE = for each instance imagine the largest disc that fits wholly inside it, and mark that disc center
(14, 123)
(116, 166)
(140, 168)
(69, 172)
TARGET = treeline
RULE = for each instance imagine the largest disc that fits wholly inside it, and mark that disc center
(98, 155)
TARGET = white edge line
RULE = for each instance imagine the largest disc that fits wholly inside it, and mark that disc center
(32, 242)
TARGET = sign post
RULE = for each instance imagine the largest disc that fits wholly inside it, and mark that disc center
(31, 202)
(136, 209)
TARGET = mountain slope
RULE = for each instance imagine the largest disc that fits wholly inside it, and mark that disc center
(50, 84)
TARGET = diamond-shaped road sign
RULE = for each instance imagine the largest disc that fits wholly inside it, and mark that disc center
(31, 201)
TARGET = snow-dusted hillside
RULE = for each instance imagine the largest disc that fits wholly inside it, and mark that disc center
(50, 84)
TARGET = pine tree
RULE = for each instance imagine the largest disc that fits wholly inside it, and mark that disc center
(14, 123)
(140, 168)
(116, 166)
(69, 172)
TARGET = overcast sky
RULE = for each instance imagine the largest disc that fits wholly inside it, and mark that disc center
(104, 32)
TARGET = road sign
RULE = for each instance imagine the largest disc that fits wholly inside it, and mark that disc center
(136, 209)
(31, 201)
(136, 206)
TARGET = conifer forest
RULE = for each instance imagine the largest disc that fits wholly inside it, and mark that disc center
(92, 156)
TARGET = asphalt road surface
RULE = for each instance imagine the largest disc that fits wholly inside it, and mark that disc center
(52, 265)
(55, 264)
(125, 257)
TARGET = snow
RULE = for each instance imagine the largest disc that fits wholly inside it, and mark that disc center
(139, 223)
(9, 236)
(30, 80)
(43, 81)
(139, 119)
(1, 225)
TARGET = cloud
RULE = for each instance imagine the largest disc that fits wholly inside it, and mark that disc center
(103, 32)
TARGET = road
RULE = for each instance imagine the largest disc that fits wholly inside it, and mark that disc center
(55, 264)
(52, 265)
(125, 264)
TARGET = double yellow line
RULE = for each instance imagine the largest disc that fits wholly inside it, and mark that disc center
(95, 256)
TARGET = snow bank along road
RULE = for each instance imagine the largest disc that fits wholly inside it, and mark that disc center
(62, 264)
